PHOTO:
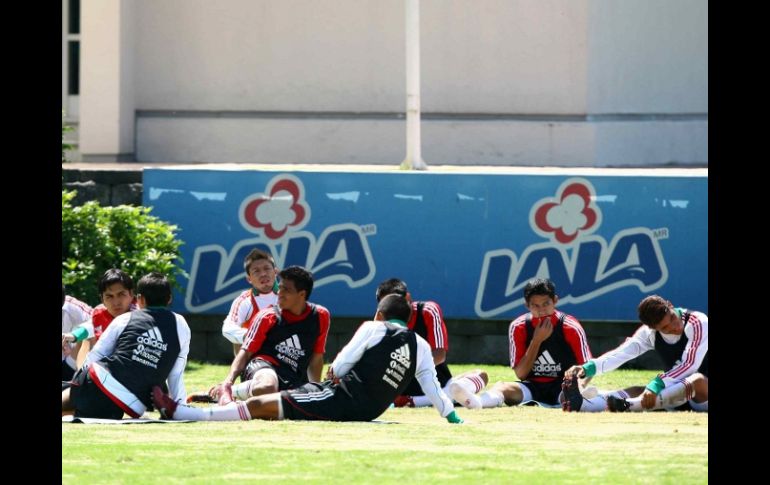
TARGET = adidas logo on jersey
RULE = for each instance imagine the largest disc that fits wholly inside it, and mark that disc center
(152, 338)
(291, 347)
(545, 364)
(401, 354)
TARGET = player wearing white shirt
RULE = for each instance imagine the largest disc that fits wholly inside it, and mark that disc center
(375, 366)
(73, 313)
(138, 351)
(679, 336)
(260, 273)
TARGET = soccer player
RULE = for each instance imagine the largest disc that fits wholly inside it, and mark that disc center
(139, 350)
(284, 348)
(369, 372)
(427, 320)
(116, 291)
(679, 336)
(543, 344)
(260, 273)
(73, 312)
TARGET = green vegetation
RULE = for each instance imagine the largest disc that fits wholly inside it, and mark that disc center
(96, 238)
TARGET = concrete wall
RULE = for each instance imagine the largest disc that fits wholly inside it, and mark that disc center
(504, 82)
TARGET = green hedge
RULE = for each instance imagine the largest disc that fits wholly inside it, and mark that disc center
(96, 238)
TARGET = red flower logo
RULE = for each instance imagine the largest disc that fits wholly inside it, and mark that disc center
(571, 212)
(282, 205)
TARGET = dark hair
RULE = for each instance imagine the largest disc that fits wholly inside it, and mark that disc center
(255, 255)
(395, 306)
(539, 286)
(652, 309)
(392, 286)
(63, 294)
(112, 276)
(302, 278)
(155, 289)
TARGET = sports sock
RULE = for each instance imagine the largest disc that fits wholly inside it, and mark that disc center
(594, 405)
(421, 401)
(491, 399)
(234, 411)
(242, 391)
(464, 389)
(670, 397)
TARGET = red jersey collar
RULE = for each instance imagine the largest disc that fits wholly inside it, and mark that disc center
(292, 318)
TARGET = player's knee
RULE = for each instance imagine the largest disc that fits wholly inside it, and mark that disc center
(260, 387)
(511, 392)
(700, 384)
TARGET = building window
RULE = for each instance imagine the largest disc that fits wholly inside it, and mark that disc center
(70, 56)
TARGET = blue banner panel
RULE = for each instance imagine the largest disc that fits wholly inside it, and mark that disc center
(468, 241)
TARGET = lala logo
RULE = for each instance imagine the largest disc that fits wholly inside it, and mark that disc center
(581, 264)
(277, 216)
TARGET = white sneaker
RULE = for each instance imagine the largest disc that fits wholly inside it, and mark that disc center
(465, 398)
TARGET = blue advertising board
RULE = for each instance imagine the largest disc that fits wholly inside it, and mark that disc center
(468, 241)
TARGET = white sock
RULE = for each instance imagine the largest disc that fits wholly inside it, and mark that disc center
(620, 393)
(595, 405)
(422, 401)
(234, 411)
(464, 389)
(242, 391)
(491, 399)
(670, 397)
(675, 394)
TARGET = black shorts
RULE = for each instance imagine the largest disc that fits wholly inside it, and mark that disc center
(324, 401)
(90, 402)
(545, 392)
(287, 379)
(442, 373)
(67, 372)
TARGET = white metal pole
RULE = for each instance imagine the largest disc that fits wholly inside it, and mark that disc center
(413, 160)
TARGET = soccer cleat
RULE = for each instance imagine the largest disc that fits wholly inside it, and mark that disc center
(573, 400)
(225, 394)
(163, 403)
(403, 401)
(463, 397)
(617, 405)
(200, 396)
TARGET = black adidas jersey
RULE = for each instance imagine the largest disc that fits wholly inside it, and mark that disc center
(556, 354)
(288, 344)
(145, 352)
(386, 368)
(378, 363)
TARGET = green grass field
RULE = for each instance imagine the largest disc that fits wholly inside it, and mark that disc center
(502, 445)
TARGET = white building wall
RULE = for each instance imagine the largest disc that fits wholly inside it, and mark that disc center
(504, 82)
(648, 56)
(107, 104)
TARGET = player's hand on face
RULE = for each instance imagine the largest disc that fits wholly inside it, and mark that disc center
(543, 330)
(648, 399)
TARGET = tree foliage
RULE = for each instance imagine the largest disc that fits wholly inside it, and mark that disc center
(96, 238)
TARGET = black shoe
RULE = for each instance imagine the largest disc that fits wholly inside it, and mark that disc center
(572, 397)
(617, 404)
